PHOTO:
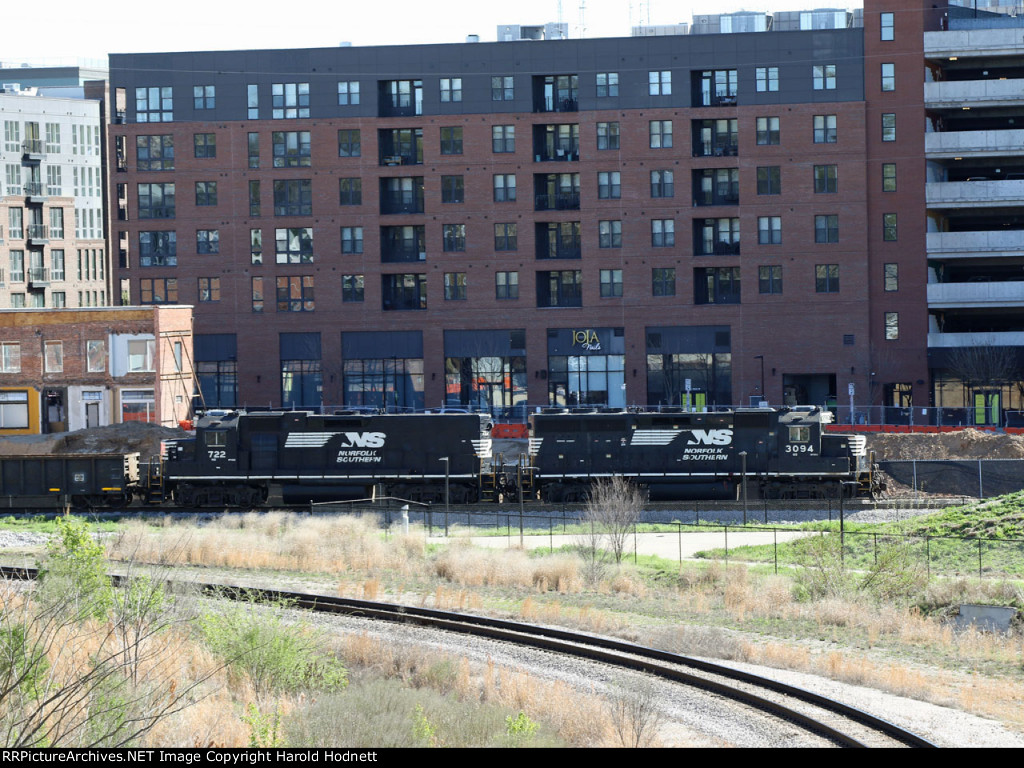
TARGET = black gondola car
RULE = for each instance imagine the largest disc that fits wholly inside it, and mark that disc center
(782, 453)
(92, 481)
(238, 458)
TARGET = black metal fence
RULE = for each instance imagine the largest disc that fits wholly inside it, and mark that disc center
(980, 478)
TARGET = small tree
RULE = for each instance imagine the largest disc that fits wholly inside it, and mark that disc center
(636, 714)
(612, 512)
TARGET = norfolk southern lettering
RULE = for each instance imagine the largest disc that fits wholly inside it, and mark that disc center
(353, 445)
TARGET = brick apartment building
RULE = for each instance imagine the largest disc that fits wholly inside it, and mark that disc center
(67, 369)
(694, 219)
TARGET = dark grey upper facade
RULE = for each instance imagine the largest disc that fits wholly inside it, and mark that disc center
(633, 59)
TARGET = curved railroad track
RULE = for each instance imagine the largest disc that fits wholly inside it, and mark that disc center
(839, 723)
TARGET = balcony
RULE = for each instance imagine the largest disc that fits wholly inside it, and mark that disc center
(722, 148)
(38, 277)
(975, 43)
(396, 202)
(973, 144)
(975, 295)
(724, 195)
(32, 149)
(987, 339)
(956, 94)
(37, 233)
(35, 191)
(972, 244)
(974, 194)
(562, 201)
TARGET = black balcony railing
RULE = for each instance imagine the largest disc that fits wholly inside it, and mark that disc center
(392, 203)
(34, 188)
(394, 254)
(562, 201)
(36, 231)
(32, 146)
(38, 275)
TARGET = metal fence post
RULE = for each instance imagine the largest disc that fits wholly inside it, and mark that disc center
(981, 490)
(726, 546)
(979, 558)
(928, 556)
(775, 537)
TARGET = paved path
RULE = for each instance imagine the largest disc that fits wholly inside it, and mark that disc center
(673, 546)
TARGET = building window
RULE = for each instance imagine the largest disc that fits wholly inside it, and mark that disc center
(506, 285)
(769, 180)
(451, 141)
(56, 224)
(57, 264)
(888, 77)
(609, 185)
(767, 130)
(13, 404)
(716, 285)
(289, 100)
(663, 281)
(206, 193)
(351, 239)
(889, 227)
(154, 153)
(607, 84)
(293, 197)
(16, 218)
(718, 87)
(18, 300)
(607, 135)
(662, 184)
(350, 191)
(207, 241)
(292, 149)
(609, 234)
(53, 138)
(155, 202)
(888, 23)
(204, 96)
(54, 185)
(769, 230)
(892, 326)
(257, 295)
(348, 92)
(826, 178)
(825, 129)
(503, 88)
(503, 138)
(254, 150)
(295, 294)
(888, 126)
(256, 246)
(504, 188)
(205, 145)
(349, 144)
(659, 83)
(824, 77)
(454, 286)
(892, 277)
(158, 290)
(294, 245)
(154, 105)
(253, 101)
(96, 356)
(451, 89)
(209, 289)
(663, 233)
(888, 177)
(661, 134)
(454, 237)
(452, 189)
(611, 283)
(158, 249)
(254, 198)
(767, 79)
(769, 279)
(826, 229)
(826, 278)
(352, 288)
(10, 359)
(505, 238)
(58, 300)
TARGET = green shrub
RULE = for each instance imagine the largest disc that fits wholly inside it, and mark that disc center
(74, 571)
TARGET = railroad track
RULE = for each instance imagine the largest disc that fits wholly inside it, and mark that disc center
(837, 722)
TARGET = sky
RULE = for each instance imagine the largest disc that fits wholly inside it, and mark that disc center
(76, 29)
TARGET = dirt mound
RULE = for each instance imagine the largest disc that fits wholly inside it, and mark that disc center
(129, 437)
(964, 444)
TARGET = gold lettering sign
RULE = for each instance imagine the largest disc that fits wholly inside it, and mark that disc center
(587, 339)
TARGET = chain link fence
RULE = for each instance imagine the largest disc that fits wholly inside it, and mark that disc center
(980, 478)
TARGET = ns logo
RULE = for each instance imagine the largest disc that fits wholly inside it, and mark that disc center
(362, 440)
(710, 437)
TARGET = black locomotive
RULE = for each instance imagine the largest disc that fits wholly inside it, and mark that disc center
(237, 458)
(780, 453)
